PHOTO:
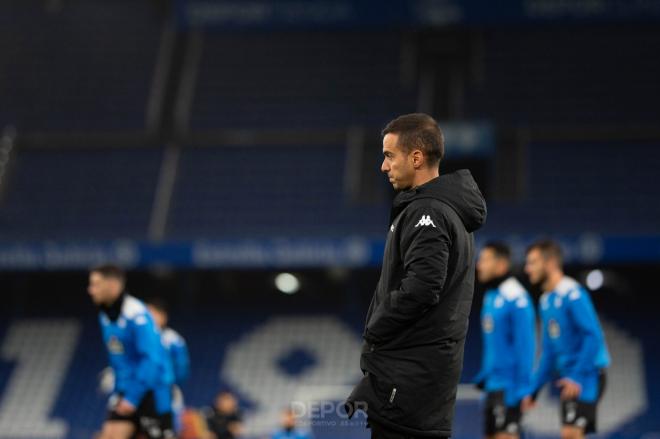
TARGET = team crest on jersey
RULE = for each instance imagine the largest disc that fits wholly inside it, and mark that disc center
(115, 346)
(488, 324)
(553, 329)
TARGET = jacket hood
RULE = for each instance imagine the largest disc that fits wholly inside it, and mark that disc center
(458, 190)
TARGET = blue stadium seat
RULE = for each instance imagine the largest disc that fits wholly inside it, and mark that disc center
(281, 80)
(80, 194)
(593, 76)
(88, 68)
(266, 191)
(600, 187)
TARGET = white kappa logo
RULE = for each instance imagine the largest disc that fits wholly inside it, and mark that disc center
(425, 221)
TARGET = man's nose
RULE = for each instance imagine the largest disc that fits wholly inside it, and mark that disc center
(384, 167)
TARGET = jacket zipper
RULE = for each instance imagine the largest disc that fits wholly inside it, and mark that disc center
(392, 395)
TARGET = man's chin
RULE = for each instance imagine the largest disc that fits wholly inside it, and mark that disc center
(536, 283)
(399, 187)
(97, 301)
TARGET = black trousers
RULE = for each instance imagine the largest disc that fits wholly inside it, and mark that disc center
(379, 431)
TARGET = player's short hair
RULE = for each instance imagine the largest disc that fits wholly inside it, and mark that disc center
(110, 271)
(158, 304)
(549, 249)
(500, 249)
(418, 131)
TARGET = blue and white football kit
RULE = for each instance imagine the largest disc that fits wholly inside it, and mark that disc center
(508, 324)
(177, 350)
(573, 347)
(139, 362)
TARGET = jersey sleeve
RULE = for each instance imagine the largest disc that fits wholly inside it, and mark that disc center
(147, 345)
(181, 360)
(426, 245)
(583, 315)
(543, 371)
(480, 378)
(524, 340)
(486, 359)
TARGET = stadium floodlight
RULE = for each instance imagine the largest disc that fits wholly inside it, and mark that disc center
(287, 283)
(595, 280)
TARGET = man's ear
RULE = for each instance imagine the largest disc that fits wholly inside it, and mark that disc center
(418, 158)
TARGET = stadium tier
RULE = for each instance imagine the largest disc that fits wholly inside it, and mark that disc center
(286, 191)
(80, 194)
(594, 76)
(600, 187)
(87, 68)
(277, 80)
(263, 191)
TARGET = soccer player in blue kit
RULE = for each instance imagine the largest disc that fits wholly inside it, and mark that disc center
(174, 343)
(509, 342)
(141, 400)
(177, 350)
(573, 345)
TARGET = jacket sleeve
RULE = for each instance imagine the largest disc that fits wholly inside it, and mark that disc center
(584, 316)
(524, 341)
(147, 345)
(425, 245)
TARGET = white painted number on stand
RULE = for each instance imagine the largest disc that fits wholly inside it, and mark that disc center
(251, 367)
(41, 351)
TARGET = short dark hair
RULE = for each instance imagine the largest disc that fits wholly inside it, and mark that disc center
(158, 303)
(111, 271)
(549, 249)
(500, 249)
(418, 131)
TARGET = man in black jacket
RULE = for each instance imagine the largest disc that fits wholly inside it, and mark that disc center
(418, 318)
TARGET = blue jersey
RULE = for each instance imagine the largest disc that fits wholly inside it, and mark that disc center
(177, 351)
(137, 357)
(573, 343)
(508, 326)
